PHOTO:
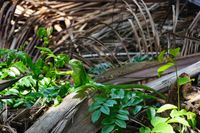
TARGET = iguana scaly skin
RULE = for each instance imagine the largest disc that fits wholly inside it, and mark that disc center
(79, 74)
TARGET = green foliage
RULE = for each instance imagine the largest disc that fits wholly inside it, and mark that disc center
(183, 80)
(177, 115)
(115, 108)
(44, 34)
(165, 124)
(42, 81)
(166, 107)
(169, 58)
(100, 68)
(164, 68)
(139, 58)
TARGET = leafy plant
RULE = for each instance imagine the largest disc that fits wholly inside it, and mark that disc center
(41, 78)
(100, 68)
(14, 63)
(178, 120)
(44, 34)
(115, 108)
(177, 115)
(139, 58)
(170, 59)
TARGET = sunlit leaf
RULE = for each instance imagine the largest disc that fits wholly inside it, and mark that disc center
(20, 66)
(183, 80)
(179, 120)
(174, 52)
(161, 56)
(15, 70)
(176, 113)
(164, 68)
(156, 120)
(57, 100)
(163, 128)
(166, 107)
(191, 117)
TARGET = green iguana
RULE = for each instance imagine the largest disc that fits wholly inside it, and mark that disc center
(82, 81)
(79, 74)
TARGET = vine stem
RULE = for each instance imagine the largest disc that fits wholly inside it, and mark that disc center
(178, 87)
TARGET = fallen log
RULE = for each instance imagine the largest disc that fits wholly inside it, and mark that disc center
(57, 114)
(131, 73)
(164, 83)
(72, 115)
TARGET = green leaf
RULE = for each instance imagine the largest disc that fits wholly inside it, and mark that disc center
(145, 130)
(105, 110)
(94, 106)
(64, 89)
(151, 113)
(18, 103)
(122, 117)
(20, 66)
(96, 115)
(179, 120)
(45, 50)
(176, 113)
(166, 107)
(41, 32)
(110, 103)
(117, 94)
(107, 129)
(12, 91)
(49, 31)
(163, 128)
(174, 52)
(137, 109)
(57, 100)
(120, 123)
(61, 60)
(15, 70)
(136, 101)
(46, 41)
(156, 120)
(164, 68)
(100, 99)
(161, 56)
(183, 80)
(11, 74)
(108, 121)
(191, 117)
(123, 112)
(25, 92)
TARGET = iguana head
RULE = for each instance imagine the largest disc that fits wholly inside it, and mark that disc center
(74, 63)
